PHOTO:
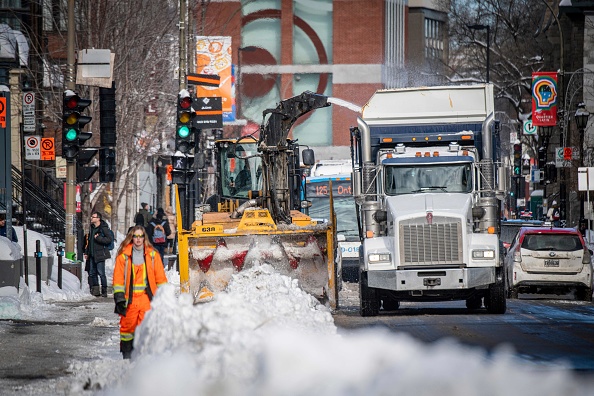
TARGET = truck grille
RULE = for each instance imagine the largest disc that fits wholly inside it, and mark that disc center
(437, 243)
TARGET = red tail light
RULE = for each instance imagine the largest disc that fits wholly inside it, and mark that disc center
(239, 259)
(204, 264)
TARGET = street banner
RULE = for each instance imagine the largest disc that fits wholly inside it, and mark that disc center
(544, 98)
(213, 57)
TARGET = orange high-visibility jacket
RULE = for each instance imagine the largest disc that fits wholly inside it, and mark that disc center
(154, 270)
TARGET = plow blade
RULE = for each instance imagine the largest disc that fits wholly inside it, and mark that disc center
(303, 253)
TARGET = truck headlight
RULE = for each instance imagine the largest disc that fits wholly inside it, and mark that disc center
(379, 258)
(483, 254)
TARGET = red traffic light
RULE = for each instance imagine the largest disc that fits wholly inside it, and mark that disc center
(185, 102)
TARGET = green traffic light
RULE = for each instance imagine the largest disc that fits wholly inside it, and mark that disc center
(71, 134)
(183, 132)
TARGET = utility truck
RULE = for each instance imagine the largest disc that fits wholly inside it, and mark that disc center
(424, 179)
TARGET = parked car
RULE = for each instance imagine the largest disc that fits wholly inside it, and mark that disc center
(549, 260)
(510, 228)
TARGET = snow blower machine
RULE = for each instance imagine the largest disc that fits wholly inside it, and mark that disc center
(255, 217)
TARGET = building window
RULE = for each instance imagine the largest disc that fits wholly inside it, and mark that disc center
(434, 44)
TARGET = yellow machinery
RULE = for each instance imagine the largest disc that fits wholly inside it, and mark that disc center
(258, 221)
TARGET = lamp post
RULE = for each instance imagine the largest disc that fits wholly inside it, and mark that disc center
(249, 48)
(581, 121)
(545, 132)
(483, 27)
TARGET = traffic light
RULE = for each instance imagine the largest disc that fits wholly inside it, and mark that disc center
(517, 159)
(107, 111)
(542, 158)
(526, 165)
(107, 165)
(73, 121)
(84, 173)
(182, 169)
(184, 136)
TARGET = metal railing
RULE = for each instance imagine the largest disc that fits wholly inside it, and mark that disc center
(45, 211)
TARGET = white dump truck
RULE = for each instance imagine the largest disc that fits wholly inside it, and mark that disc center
(425, 182)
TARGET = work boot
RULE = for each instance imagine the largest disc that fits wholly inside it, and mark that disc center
(95, 291)
(126, 347)
(104, 291)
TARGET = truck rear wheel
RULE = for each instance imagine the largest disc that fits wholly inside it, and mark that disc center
(369, 302)
(495, 299)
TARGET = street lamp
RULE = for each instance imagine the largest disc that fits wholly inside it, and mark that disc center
(249, 48)
(581, 116)
(483, 27)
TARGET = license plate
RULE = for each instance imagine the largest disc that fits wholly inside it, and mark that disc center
(551, 263)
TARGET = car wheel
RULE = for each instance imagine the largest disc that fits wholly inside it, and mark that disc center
(474, 302)
(390, 305)
(495, 299)
(369, 301)
(584, 294)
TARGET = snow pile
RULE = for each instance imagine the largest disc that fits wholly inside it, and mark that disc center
(265, 336)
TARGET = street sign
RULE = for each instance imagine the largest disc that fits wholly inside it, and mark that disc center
(209, 112)
(535, 175)
(528, 128)
(29, 112)
(48, 149)
(33, 147)
(560, 161)
(2, 112)
(61, 168)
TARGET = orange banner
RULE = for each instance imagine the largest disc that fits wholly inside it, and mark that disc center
(213, 56)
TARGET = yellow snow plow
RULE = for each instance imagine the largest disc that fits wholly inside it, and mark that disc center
(255, 217)
(219, 246)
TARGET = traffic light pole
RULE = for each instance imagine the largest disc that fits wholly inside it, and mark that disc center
(70, 166)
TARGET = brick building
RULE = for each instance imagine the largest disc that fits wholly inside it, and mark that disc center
(344, 49)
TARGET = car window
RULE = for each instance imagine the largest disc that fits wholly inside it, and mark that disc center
(556, 242)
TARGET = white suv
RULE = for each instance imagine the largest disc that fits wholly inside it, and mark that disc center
(546, 259)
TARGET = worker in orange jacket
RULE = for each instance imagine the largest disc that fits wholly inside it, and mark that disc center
(137, 274)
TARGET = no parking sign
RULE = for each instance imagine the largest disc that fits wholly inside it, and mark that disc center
(32, 147)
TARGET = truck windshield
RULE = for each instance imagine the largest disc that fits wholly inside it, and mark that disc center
(241, 169)
(409, 179)
(317, 193)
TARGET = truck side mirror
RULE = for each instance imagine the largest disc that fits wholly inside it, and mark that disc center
(309, 157)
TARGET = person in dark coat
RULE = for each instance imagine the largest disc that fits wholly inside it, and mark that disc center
(96, 252)
(143, 216)
(3, 228)
(160, 219)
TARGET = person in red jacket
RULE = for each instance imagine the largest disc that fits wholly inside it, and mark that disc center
(137, 274)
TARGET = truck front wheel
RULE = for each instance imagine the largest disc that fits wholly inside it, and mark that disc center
(495, 299)
(369, 301)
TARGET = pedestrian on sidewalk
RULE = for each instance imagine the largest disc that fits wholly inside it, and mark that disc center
(157, 230)
(3, 228)
(143, 216)
(173, 227)
(137, 274)
(96, 252)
